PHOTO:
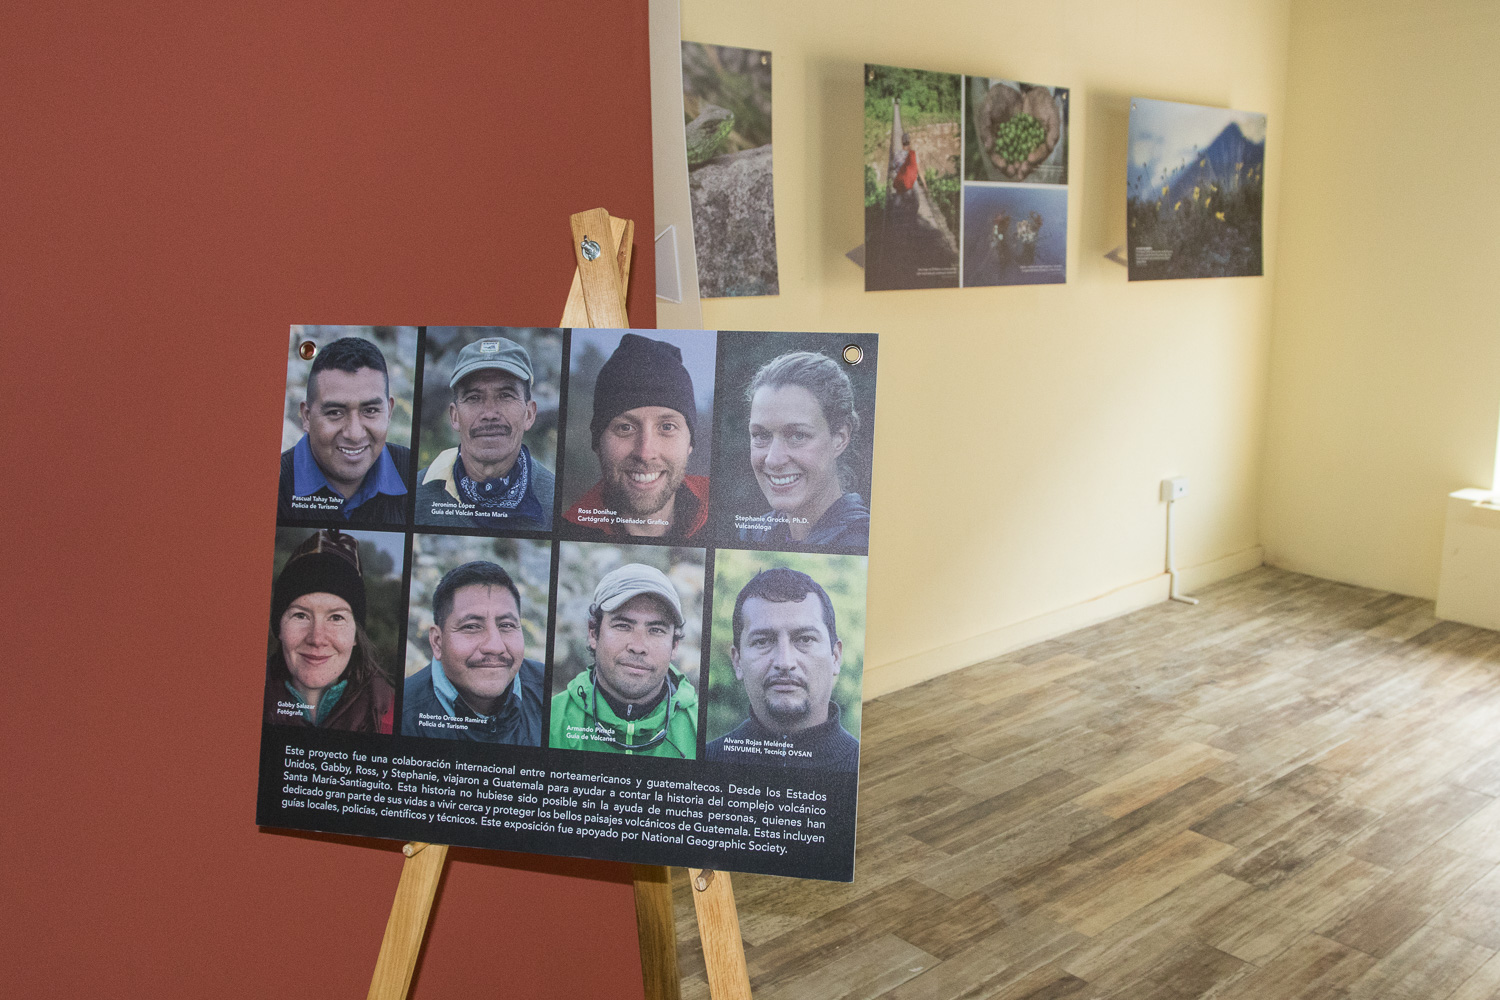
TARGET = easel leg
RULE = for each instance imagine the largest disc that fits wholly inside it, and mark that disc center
(408, 922)
(596, 299)
(657, 931)
(719, 929)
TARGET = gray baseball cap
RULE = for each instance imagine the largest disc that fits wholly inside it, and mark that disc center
(633, 580)
(492, 352)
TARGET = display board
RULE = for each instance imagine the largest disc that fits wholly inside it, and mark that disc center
(1194, 191)
(965, 180)
(596, 593)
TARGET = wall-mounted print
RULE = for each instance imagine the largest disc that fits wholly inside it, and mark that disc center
(912, 150)
(726, 100)
(1015, 234)
(965, 181)
(1194, 191)
(1015, 131)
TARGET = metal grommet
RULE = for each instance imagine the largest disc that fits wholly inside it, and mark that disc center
(590, 249)
(853, 354)
(307, 350)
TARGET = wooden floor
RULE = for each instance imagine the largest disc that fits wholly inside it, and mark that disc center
(1289, 791)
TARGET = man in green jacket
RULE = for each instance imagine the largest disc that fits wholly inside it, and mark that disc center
(632, 700)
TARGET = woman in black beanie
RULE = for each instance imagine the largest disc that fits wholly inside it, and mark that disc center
(321, 667)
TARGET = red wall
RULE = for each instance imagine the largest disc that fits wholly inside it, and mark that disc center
(179, 181)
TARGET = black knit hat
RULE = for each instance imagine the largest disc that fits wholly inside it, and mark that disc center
(642, 372)
(326, 563)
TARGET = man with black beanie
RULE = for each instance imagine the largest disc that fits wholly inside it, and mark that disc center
(643, 426)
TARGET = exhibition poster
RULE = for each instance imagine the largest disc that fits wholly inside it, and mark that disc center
(593, 593)
(1194, 191)
(726, 100)
(965, 180)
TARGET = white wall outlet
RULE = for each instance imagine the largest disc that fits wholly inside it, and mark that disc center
(1174, 489)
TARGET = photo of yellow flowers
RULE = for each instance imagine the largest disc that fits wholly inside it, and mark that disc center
(1194, 191)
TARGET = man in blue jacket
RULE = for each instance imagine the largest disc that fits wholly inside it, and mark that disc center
(342, 470)
(479, 685)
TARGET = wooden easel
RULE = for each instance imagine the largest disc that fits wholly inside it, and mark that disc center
(602, 248)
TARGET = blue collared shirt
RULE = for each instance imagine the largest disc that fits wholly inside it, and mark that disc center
(447, 694)
(308, 477)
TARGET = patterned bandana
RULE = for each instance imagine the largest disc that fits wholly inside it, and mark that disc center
(504, 493)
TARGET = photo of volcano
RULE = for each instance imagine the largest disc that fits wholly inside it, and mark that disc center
(1194, 191)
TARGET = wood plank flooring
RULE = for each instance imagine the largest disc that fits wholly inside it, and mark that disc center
(1288, 792)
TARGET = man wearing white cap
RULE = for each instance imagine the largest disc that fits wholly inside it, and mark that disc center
(491, 479)
(632, 700)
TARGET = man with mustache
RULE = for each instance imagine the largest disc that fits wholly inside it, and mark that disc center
(786, 652)
(479, 685)
(491, 479)
(643, 427)
(342, 469)
(632, 700)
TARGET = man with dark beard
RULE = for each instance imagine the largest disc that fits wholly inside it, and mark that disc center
(787, 654)
(642, 429)
(491, 479)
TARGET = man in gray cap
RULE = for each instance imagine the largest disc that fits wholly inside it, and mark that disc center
(632, 700)
(491, 479)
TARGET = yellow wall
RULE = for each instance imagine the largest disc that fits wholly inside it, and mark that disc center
(1386, 362)
(1023, 431)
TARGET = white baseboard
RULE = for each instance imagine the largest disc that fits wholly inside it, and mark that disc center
(887, 677)
(1190, 579)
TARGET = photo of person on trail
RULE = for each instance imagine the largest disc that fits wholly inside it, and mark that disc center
(912, 186)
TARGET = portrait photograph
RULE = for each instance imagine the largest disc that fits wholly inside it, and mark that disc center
(786, 659)
(795, 429)
(476, 638)
(627, 650)
(335, 629)
(487, 451)
(639, 436)
(346, 425)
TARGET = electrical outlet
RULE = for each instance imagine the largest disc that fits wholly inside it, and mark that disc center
(1174, 489)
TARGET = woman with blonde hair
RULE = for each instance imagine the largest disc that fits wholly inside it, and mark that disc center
(802, 421)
